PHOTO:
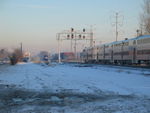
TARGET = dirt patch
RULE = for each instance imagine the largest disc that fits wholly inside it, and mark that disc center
(16, 100)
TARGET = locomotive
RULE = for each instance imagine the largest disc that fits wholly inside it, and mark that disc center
(129, 51)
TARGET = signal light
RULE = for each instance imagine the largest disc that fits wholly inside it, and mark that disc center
(83, 30)
(68, 36)
(72, 36)
(79, 36)
(72, 29)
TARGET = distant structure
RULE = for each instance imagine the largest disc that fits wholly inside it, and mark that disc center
(65, 57)
(35, 59)
(43, 54)
(44, 57)
(4, 56)
(26, 56)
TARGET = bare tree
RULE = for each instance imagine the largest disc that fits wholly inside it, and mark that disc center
(16, 56)
(145, 17)
(3, 55)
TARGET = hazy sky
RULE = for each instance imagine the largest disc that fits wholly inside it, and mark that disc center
(36, 22)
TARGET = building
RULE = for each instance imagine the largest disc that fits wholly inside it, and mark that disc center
(65, 57)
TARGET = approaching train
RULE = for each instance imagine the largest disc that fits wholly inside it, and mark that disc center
(128, 51)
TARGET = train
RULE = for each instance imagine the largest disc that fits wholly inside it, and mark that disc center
(129, 51)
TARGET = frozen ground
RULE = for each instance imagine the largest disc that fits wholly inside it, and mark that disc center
(73, 88)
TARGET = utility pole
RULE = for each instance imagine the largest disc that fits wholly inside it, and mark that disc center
(58, 38)
(72, 37)
(91, 36)
(142, 26)
(21, 49)
(117, 23)
(116, 27)
(75, 46)
(138, 32)
(71, 45)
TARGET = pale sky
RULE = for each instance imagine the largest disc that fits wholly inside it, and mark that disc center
(36, 22)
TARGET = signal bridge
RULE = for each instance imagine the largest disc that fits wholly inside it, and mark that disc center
(74, 35)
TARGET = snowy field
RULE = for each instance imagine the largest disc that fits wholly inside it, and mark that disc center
(74, 88)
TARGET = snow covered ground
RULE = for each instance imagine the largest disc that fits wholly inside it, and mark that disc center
(74, 88)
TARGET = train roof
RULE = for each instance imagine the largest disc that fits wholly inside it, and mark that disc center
(141, 37)
(135, 38)
(117, 42)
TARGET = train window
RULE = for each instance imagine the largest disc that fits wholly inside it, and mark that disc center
(147, 40)
(106, 46)
(125, 53)
(126, 43)
(140, 52)
(143, 41)
(139, 41)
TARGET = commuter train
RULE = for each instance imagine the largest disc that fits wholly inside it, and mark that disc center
(128, 51)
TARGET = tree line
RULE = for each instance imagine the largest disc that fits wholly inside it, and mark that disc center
(11, 57)
(145, 17)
